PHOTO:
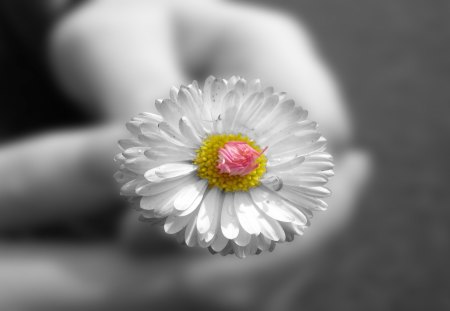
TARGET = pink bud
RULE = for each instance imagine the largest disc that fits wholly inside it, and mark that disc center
(238, 158)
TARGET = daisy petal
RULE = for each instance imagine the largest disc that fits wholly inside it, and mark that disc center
(302, 201)
(169, 133)
(208, 210)
(153, 188)
(190, 234)
(246, 212)
(229, 222)
(169, 110)
(161, 199)
(243, 237)
(129, 189)
(286, 165)
(124, 144)
(263, 243)
(188, 131)
(190, 194)
(175, 223)
(219, 242)
(170, 170)
(271, 204)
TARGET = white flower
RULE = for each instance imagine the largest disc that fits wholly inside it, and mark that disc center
(235, 167)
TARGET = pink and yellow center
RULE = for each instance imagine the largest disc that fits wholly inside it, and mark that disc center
(230, 162)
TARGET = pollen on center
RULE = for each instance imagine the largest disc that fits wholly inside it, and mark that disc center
(222, 174)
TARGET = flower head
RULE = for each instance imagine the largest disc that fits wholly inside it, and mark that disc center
(233, 167)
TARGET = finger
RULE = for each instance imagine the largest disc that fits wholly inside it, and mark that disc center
(117, 55)
(82, 277)
(57, 176)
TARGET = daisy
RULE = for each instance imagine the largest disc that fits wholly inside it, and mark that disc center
(234, 167)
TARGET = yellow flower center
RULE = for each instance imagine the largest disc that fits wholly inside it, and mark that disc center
(207, 161)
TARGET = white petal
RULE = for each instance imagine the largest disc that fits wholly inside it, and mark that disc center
(297, 129)
(190, 235)
(296, 115)
(188, 131)
(294, 142)
(291, 151)
(119, 159)
(175, 223)
(239, 251)
(133, 127)
(328, 173)
(229, 110)
(316, 192)
(169, 110)
(155, 201)
(204, 240)
(165, 150)
(206, 108)
(251, 248)
(271, 228)
(318, 162)
(173, 93)
(219, 242)
(217, 93)
(263, 112)
(229, 223)
(207, 238)
(170, 134)
(208, 210)
(271, 204)
(134, 152)
(122, 177)
(246, 212)
(129, 189)
(282, 110)
(140, 165)
(228, 249)
(192, 110)
(247, 109)
(286, 165)
(231, 99)
(272, 182)
(163, 155)
(243, 237)
(293, 228)
(150, 117)
(187, 103)
(195, 93)
(153, 188)
(152, 139)
(300, 201)
(241, 88)
(263, 243)
(129, 143)
(149, 128)
(268, 91)
(190, 195)
(170, 170)
(232, 81)
(304, 180)
(213, 229)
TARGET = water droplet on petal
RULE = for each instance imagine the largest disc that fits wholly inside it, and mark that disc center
(274, 183)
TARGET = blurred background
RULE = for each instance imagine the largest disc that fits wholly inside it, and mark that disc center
(390, 60)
